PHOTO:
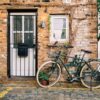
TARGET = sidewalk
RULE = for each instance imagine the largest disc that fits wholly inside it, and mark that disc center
(31, 93)
(28, 91)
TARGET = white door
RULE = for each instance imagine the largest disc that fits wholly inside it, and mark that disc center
(22, 44)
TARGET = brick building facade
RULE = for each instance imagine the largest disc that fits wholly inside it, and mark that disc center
(79, 17)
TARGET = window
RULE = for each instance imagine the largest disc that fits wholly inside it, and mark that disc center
(59, 28)
(66, 1)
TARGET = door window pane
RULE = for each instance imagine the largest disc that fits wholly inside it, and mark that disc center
(28, 23)
(28, 39)
(17, 39)
(17, 24)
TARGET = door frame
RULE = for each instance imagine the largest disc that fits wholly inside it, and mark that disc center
(8, 37)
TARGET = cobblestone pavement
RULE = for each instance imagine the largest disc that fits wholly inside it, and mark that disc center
(33, 93)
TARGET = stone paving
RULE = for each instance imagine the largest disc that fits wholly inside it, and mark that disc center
(53, 93)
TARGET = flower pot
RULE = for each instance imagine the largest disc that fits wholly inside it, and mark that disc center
(44, 82)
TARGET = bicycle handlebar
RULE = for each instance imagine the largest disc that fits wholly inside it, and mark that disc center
(86, 51)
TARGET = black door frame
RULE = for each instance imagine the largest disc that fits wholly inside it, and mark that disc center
(8, 37)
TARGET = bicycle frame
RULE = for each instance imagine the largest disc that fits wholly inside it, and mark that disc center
(78, 62)
(78, 69)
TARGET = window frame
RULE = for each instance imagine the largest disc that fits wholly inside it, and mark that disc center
(67, 28)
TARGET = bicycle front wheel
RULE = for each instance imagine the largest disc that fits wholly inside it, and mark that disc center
(90, 77)
(48, 73)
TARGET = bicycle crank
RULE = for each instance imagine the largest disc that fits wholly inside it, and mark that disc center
(74, 79)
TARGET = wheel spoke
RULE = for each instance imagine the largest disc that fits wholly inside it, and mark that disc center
(90, 78)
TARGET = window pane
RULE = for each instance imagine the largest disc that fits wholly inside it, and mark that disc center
(17, 23)
(59, 23)
(59, 34)
(28, 39)
(63, 34)
(17, 39)
(28, 22)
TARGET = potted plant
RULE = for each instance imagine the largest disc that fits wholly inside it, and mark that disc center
(43, 77)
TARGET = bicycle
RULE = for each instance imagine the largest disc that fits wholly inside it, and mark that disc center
(86, 71)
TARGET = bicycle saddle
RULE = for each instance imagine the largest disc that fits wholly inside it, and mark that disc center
(86, 51)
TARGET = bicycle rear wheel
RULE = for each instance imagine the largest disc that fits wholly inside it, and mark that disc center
(49, 71)
(91, 77)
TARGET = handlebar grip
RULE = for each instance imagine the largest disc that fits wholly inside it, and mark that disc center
(86, 51)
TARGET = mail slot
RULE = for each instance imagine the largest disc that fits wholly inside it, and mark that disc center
(22, 50)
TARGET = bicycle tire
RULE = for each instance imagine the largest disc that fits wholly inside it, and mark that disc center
(49, 65)
(92, 81)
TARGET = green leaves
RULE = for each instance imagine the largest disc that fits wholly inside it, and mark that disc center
(43, 76)
(98, 0)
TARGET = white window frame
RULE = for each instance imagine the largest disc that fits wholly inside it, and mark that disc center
(52, 40)
(66, 1)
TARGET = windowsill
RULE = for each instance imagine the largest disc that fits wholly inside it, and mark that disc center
(51, 45)
(54, 45)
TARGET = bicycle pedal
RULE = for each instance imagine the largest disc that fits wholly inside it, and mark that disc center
(71, 80)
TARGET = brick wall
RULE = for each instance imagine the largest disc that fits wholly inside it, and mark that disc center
(4, 1)
(83, 27)
(3, 43)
